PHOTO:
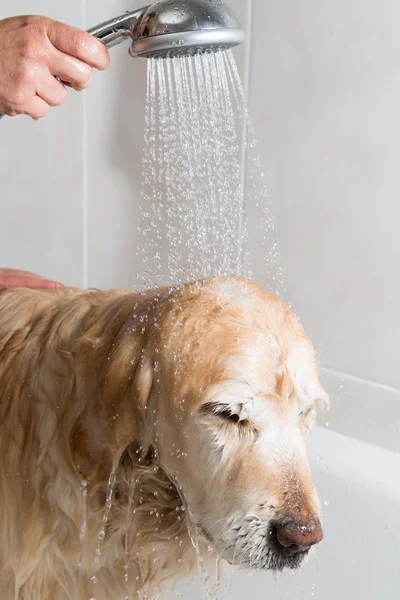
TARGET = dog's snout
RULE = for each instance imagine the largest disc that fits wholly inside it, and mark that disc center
(298, 535)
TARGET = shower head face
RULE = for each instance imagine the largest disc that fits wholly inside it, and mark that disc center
(185, 27)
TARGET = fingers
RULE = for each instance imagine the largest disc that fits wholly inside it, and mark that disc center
(79, 44)
(36, 107)
(19, 273)
(70, 70)
(51, 91)
(34, 283)
(13, 278)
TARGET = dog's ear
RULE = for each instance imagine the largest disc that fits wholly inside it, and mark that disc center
(121, 416)
(303, 373)
(312, 391)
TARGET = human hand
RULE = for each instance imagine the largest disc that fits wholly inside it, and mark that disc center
(33, 52)
(12, 278)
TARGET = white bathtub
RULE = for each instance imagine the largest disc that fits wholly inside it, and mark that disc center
(359, 559)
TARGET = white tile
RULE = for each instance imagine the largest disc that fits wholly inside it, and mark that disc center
(363, 410)
(116, 104)
(325, 97)
(41, 178)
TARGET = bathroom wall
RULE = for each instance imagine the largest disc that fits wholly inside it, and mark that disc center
(41, 175)
(324, 96)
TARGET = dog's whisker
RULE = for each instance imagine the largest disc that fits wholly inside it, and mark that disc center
(208, 530)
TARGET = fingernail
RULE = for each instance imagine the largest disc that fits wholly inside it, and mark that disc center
(58, 285)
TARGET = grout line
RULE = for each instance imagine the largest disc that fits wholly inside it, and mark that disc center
(85, 194)
(381, 386)
(246, 89)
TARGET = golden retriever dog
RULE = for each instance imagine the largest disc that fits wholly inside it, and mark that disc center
(137, 427)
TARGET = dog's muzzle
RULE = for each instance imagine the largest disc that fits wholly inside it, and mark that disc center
(273, 546)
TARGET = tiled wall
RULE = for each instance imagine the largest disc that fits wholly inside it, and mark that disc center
(324, 93)
(325, 97)
(41, 174)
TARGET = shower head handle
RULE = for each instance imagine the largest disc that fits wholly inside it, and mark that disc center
(116, 30)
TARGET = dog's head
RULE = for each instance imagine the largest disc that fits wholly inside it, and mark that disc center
(230, 391)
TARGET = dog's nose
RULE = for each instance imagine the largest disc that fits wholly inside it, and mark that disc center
(297, 535)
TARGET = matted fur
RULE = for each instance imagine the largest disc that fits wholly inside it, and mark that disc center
(88, 380)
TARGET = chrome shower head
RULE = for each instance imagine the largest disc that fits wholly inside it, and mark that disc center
(174, 28)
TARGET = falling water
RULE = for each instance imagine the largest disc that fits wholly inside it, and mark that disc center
(102, 532)
(82, 534)
(202, 570)
(191, 178)
(129, 516)
(83, 529)
(210, 587)
(257, 191)
(192, 192)
(193, 213)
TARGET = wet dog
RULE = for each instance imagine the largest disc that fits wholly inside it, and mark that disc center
(131, 422)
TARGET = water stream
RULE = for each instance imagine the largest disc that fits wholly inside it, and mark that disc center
(129, 517)
(192, 218)
(201, 171)
(83, 529)
(102, 532)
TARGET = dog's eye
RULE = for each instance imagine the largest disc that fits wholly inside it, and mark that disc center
(225, 420)
(228, 416)
(222, 412)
